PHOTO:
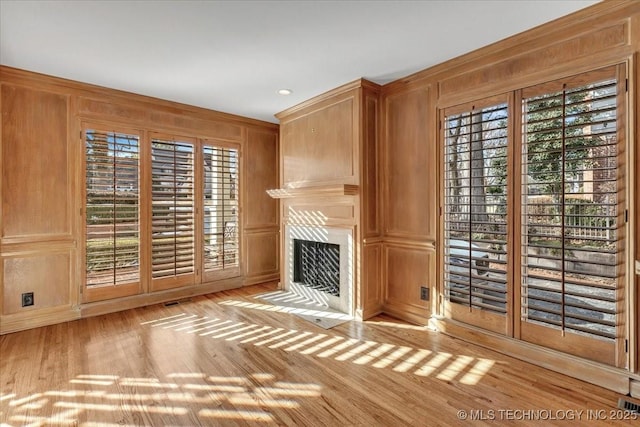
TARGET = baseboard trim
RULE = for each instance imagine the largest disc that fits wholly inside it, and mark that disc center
(37, 318)
(406, 313)
(635, 389)
(135, 301)
(256, 280)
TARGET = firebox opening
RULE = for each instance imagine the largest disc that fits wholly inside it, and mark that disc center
(317, 265)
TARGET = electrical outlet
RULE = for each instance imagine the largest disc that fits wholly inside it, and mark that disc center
(27, 299)
(424, 293)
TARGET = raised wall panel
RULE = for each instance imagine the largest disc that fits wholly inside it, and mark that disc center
(371, 284)
(319, 211)
(262, 253)
(35, 171)
(104, 109)
(529, 62)
(46, 275)
(407, 269)
(371, 170)
(261, 174)
(142, 114)
(319, 146)
(410, 187)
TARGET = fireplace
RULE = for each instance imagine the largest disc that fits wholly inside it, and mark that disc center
(318, 264)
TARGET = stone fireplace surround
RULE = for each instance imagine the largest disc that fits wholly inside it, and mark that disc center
(343, 237)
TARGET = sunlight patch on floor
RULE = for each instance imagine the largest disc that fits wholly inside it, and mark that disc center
(248, 399)
(422, 362)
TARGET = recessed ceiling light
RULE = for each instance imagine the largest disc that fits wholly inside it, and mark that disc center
(285, 91)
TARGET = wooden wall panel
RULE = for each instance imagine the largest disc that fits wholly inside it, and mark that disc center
(105, 109)
(46, 275)
(371, 284)
(371, 169)
(320, 211)
(261, 174)
(319, 147)
(540, 59)
(262, 254)
(410, 185)
(407, 269)
(261, 243)
(35, 173)
(150, 115)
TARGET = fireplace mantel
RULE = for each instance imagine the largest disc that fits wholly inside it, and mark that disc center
(319, 190)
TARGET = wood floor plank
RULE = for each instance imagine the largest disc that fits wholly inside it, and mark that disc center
(230, 359)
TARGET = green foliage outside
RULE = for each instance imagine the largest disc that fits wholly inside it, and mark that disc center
(126, 253)
(546, 135)
(100, 207)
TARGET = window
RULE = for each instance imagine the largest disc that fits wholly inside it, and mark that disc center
(476, 212)
(112, 209)
(221, 244)
(172, 209)
(571, 219)
(162, 212)
(557, 200)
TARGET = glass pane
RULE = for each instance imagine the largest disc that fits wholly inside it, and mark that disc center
(173, 208)
(220, 208)
(570, 219)
(112, 208)
(476, 208)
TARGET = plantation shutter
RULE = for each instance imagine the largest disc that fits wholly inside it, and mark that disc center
(112, 208)
(172, 208)
(572, 247)
(221, 243)
(475, 205)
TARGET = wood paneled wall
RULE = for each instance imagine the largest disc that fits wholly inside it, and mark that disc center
(383, 142)
(409, 210)
(605, 34)
(260, 212)
(42, 230)
(37, 244)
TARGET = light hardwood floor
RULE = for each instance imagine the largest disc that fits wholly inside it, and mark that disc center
(231, 359)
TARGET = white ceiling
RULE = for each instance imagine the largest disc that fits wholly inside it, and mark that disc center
(233, 56)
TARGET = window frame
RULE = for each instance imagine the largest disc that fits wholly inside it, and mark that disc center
(613, 352)
(616, 355)
(182, 279)
(97, 293)
(235, 270)
(501, 324)
(146, 283)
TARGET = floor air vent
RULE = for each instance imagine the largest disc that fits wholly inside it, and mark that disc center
(170, 303)
(628, 406)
